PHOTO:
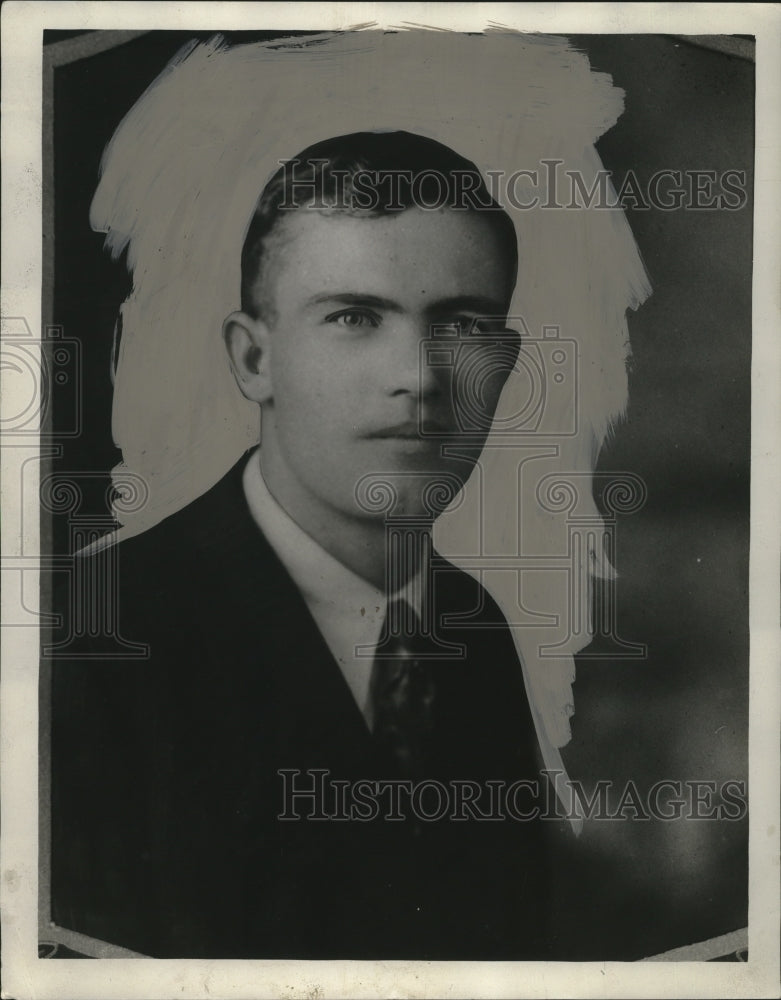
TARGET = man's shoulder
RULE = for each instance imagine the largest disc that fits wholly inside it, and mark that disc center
(209, 526)
(201, 582)
(207, 560)
(463, 593)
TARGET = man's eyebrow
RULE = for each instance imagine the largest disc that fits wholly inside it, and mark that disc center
(481, 305)
(355, 299)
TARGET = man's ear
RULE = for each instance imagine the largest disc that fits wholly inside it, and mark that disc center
(249, 348)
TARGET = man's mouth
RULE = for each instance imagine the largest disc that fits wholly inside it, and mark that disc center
(409, 430)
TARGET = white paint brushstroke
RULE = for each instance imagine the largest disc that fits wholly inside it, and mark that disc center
(180, 180)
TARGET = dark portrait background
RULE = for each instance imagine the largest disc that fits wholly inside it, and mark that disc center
(628, 889)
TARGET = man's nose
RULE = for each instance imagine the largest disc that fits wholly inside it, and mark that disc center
(408, 371)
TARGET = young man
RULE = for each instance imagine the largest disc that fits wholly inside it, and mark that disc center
(329, 752)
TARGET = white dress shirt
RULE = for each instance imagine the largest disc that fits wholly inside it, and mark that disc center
(348, 610)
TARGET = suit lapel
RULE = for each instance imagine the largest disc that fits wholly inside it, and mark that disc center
(315, 715)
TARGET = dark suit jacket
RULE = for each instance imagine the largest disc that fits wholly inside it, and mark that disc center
(166, 788)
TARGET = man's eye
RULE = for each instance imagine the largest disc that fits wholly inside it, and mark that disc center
(354, 319)
(460, 325)
(488, 327)
(472, 326)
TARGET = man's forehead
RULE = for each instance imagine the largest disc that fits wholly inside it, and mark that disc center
(312, 246)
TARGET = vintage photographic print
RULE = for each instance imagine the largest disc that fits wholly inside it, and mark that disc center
(391, 595)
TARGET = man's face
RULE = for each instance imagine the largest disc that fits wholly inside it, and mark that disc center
(354, 298)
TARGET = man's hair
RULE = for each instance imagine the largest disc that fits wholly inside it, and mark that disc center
(368, 174)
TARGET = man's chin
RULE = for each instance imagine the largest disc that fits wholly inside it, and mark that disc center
(407, 494)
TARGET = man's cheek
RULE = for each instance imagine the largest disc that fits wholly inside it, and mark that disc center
(477, 385)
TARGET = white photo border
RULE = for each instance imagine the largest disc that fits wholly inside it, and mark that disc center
(27, 976)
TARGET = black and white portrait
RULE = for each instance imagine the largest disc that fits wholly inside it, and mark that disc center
(393, 494)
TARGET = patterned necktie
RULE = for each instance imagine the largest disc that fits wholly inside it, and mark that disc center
(401, 689)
